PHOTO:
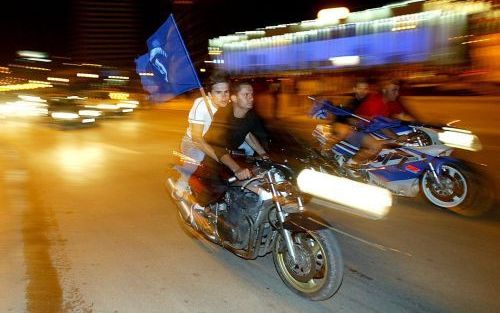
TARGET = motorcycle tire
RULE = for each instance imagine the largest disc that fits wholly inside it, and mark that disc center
(466, 192)
(319, 272)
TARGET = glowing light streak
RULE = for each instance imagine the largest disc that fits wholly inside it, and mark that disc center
(460, 139)
(361, 197)
(88, 75)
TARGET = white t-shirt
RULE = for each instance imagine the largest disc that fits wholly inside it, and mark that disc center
(199, 115)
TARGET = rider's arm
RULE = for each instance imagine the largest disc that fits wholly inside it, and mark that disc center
(404, 117)
(197, 135)
(255, 144)
(239, 172)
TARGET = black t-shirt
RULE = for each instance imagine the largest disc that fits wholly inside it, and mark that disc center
(353, 104)
(228, 132)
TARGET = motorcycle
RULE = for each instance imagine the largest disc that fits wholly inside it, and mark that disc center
(261, 215)
(416, 163)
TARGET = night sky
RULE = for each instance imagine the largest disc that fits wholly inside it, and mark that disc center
(47, 25)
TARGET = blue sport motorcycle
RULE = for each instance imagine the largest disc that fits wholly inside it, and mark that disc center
(417, 163)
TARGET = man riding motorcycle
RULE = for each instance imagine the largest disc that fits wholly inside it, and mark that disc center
(231, 126)
(385, 104)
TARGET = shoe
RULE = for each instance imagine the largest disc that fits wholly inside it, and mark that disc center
(179, 193)
(199, 219)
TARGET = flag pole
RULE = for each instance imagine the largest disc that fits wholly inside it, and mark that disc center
(202, 90)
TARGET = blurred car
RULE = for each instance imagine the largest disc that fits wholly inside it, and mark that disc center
(70, 112)
(112, 104)
(22, 106)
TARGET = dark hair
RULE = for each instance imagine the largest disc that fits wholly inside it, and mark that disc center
(386, 82)
(360, 81)
(236, 86)
(216, 78)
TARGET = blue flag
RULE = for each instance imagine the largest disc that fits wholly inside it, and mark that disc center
(166, 70)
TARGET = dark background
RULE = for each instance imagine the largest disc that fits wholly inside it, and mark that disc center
(50, 25)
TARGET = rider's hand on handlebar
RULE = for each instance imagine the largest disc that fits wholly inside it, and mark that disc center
(243, 173)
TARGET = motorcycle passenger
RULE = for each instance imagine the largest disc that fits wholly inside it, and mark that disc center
(386, 103)
(200, 118)
(383, 104)
(234, 125)
(342, 127)
(231, 127)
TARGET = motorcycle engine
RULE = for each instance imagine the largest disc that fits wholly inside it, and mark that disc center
(241, 205)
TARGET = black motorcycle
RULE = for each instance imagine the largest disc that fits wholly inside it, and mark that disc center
(265, 214)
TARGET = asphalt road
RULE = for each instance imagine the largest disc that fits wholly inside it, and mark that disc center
(86, 226)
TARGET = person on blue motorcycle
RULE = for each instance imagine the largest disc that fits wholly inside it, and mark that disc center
(342, 127)
(383, 104)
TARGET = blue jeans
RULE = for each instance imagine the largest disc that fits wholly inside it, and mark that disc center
(188, 148)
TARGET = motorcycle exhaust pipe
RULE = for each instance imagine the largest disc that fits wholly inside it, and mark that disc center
(184, 205)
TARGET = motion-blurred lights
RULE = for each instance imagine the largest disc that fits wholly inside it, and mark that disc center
(87, 75)
(64, 116)
(39, 60)
(348, 60)
(460, 138)
(58, 79)
(119, 77)
(359, 197)
(23, 108)
(128, 104)
(332, 14)
(26, 86)
(93, 113)
(31, 98)
(106, 106)
(76, 98)
(118, 95)
(32, 54)
(91, 64)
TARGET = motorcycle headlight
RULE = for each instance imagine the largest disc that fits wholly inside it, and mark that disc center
(461, 139)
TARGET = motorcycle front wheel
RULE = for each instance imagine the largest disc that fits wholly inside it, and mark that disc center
(460, 190)
(318, 271)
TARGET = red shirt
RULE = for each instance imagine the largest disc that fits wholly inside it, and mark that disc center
(375, 106)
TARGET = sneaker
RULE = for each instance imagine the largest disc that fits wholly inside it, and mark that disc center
(198, 208)
(180, 193)
(199, 219)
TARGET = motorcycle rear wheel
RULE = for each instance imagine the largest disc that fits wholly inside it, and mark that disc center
(319, 270)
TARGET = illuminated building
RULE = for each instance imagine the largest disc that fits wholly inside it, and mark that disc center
(402, 33)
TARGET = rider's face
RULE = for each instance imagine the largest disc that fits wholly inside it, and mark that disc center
(361, 90)
(220, 94)
(244, 97)
(391, 92)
